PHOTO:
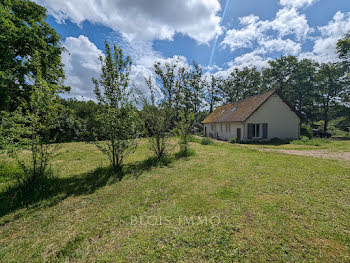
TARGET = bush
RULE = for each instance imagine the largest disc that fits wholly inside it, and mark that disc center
(306, 130)
(206, 141)
(311, 142)
(182, 154)
(233, 140)
(192, 138)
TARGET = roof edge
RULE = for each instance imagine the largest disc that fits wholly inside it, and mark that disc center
(279, 93)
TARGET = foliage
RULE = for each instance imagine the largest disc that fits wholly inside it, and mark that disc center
(28, 128)
(343, 48)
(212, 92)
(233, 140)
(183, 129)
(332, 84)
(306, 130)
(118, 127)
(279, 74)
(241, 84)
(206, 141)
(77, 122)
(25, 33)
(156, 123)
(312, 142)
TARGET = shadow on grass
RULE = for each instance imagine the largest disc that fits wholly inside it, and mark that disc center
(52, 190)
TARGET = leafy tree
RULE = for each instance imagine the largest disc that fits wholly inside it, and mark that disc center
(197, 85)
(166, 75)
(156, 123)
(228, 91)
(118, 127)
(77, 121)
(29, 128)
(241, 84)
(280, 73)
(332, 85)
(343, 48)
(25, 32)
(183, 129)
(212, 96)
(302, 87)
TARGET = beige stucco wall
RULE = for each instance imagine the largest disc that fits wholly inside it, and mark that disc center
(223, 134)
(282, 122)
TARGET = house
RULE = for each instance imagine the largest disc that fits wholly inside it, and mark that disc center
(261, 117)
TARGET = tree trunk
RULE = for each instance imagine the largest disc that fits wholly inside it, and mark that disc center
(325, 109)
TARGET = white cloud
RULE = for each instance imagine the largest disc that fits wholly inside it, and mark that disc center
(285, 46)
(297, 3)
(255, 58)
(245, 37)
(288, 21)
(258, 32)
(81, 64)
(144, 20)
(251, 59)
(324, 48)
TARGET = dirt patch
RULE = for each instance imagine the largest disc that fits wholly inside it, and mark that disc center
(345, 156)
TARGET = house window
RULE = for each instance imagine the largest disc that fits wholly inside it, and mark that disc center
(221, 128)
(213, 127)
(227, 127)
(256, 130)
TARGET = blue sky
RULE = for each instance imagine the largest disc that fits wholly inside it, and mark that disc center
(250, 33)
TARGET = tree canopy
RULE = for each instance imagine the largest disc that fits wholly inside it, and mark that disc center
(24, 32)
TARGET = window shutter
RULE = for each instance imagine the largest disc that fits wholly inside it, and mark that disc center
(250, 131)
(264, 130)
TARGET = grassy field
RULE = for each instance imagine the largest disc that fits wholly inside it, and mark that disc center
(227, 203)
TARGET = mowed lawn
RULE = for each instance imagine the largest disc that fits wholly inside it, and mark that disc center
(246, 205)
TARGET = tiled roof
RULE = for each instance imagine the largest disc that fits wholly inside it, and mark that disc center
(240, 110)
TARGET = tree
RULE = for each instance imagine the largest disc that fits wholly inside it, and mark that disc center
(280, 73)
(29, 128)
(197, 84)
(181, 96)
(302, 88)
(212, 95)
(166, 75)
(343, 48)
(228, 90)
(332, 85)
(78, 121)
(156, 122)
(24, 33)
(118, 128)
(183, 129)
(241, 84)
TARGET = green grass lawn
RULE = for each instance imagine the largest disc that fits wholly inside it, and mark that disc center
(259, 206)
(333, 145)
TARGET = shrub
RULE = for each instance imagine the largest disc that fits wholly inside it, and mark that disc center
(233, 140)
(206, 141)
(306, 130)
(192, 138)
(304, 139)
(311, 142)
(182, 153)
